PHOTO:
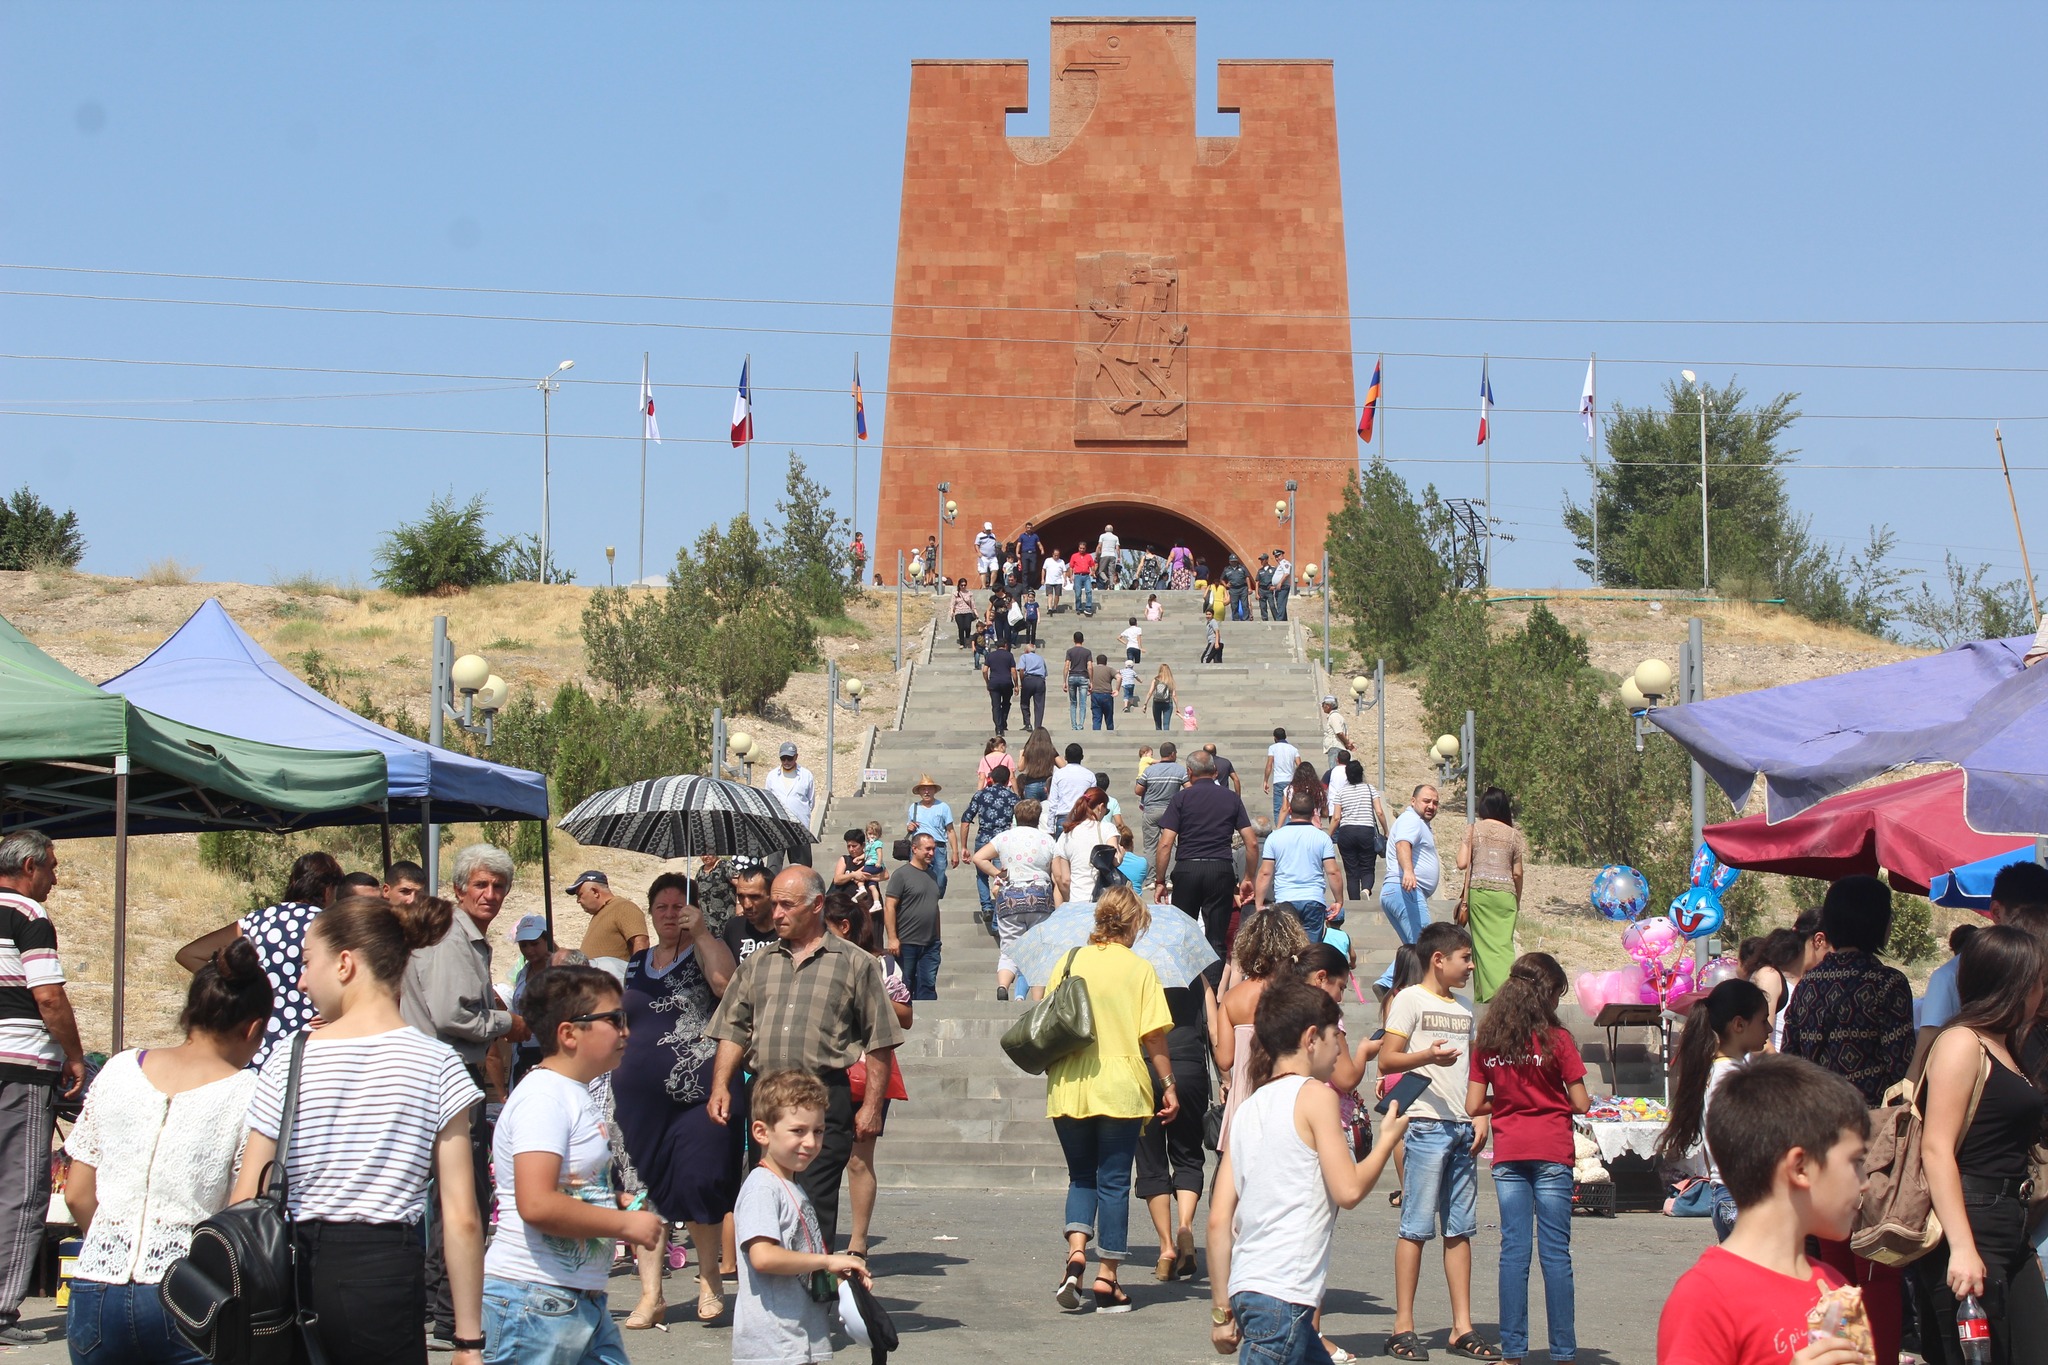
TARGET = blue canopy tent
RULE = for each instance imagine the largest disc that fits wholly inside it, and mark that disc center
(1969, 886)
(210, 673)
(1977, 707)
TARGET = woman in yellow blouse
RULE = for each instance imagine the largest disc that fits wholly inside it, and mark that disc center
(1100, 1097)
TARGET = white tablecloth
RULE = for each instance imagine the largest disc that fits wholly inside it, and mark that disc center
(1614, 1139)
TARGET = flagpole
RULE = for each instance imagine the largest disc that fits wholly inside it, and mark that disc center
(1593, 437)
(640, 571)
(856, 449)
(1383, 404)
(747, 368)
(1486, 416)
(2018, 529)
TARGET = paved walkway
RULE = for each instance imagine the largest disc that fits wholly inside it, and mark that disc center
(970, 1276)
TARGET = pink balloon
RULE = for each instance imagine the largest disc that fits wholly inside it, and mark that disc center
(1599, 989)
(1719, 970)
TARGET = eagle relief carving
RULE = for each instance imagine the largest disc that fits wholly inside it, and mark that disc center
(1130, 371)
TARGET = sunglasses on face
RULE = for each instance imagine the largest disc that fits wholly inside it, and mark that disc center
(616, 1018)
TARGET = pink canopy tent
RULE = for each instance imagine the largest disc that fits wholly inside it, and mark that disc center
(1913, 830)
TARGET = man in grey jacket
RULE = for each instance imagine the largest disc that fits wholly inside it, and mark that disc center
(448, 994)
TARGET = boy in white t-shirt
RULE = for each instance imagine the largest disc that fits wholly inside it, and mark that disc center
(545, 1272)
(787, 1273)
(1429, 1026)
(1133, 636)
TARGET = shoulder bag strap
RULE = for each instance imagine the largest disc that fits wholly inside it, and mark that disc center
(1066, 970)
(280, 1185)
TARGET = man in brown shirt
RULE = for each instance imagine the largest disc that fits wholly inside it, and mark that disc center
(814, 1002)
(1102, 693)
(617, 926)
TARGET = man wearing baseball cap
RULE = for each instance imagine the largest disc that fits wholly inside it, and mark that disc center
(617, 929)
(1336, 739)
(797, 791)
(988, 552)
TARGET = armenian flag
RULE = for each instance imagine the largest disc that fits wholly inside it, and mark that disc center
(860, 409)
(1372, 403)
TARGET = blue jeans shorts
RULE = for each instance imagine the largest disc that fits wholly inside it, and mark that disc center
(544, 1324)
(1441, 1181)
(1275, 1332)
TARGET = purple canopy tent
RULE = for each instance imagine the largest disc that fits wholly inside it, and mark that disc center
(1976, 707)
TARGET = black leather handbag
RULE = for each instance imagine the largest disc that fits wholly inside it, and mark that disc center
(234, 1294)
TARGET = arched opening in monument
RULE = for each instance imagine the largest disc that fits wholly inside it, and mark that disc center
(1139, 526)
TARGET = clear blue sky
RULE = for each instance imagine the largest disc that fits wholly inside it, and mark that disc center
(1807, 162)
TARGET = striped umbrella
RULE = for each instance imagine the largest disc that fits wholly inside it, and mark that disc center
(683, 817)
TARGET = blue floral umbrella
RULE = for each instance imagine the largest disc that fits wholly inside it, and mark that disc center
(1173, 944)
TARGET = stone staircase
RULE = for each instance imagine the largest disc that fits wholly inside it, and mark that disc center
(974, 1120)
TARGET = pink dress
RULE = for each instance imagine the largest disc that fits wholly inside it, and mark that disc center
(1240, 1079)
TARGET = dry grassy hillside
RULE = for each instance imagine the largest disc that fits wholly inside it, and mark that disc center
(380, 643)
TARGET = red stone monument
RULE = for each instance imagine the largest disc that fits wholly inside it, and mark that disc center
(1122, 322)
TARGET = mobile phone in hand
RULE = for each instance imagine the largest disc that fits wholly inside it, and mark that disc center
(1375, 1035)
(1405, 1092)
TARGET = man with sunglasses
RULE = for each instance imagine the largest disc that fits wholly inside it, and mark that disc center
(813, 1002)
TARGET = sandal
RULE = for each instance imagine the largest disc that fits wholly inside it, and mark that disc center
(1163, 1272)
(1406, 1346)
(710, 1302)
(1393, 1199)
(1116, 1301)
(1184, 1255)
(1068, 1295)
(1472, 1346)
(1338, 1355)
(643, 1317)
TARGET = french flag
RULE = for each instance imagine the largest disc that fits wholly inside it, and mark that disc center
(1485, 402)
(743, 409)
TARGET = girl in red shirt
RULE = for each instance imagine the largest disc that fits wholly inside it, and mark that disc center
(1527, 1075)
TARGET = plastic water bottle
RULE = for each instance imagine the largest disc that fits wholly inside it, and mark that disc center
(1973, 1330)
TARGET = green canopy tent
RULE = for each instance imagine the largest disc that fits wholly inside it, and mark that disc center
(77, 762)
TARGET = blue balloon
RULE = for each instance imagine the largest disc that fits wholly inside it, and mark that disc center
(1698, 912)
(1709, 871)
(1620, 893)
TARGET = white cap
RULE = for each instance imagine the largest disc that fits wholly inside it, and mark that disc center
(988, 526)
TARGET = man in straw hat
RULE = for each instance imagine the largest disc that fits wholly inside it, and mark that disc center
(929, 815)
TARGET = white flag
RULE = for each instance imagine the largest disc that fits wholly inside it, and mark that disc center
(1586, 402)
(649, 428)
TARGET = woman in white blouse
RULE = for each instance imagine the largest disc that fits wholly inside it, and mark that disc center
(154, 1154)
(1088, 824)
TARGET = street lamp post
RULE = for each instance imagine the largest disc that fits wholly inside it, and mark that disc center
(547, 385)
(1700, 390)
(1652, 683)
(481, 690)
(1377, 685)
(1445, 756)
(1292, 487)
(854, 688)
(611, 558)
(948, 512)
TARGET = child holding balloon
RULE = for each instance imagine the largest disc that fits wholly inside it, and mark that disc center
(1725, 1027)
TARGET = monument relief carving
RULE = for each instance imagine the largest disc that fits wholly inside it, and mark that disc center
(1130, 375)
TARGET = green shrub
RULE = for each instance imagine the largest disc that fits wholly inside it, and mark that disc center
(34, 535)
(1386, 567)
(522, 563)
(446, 550)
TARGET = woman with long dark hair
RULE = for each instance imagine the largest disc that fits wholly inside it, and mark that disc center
(1976, 1157)
(963, 611)
(1033, 777)
(1493, 859)
(278, 933)
(154, 1154)
(381, 1107)
(1528, 1076)
(1722, 1030)
(689, 1162)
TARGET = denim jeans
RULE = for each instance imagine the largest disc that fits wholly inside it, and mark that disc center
(1537, 1193)
(1275, 1332)
(541, 1324)
(1724, 1212)
(1441, 1181)
(1103, 707)
(1077, 703)
(123, 1324)
(1312, 914)
(1407, 911)
(920, 965)
(1084, 593)
(1100, 1154)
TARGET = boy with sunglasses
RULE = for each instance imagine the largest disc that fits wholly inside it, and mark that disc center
(545, 1272)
